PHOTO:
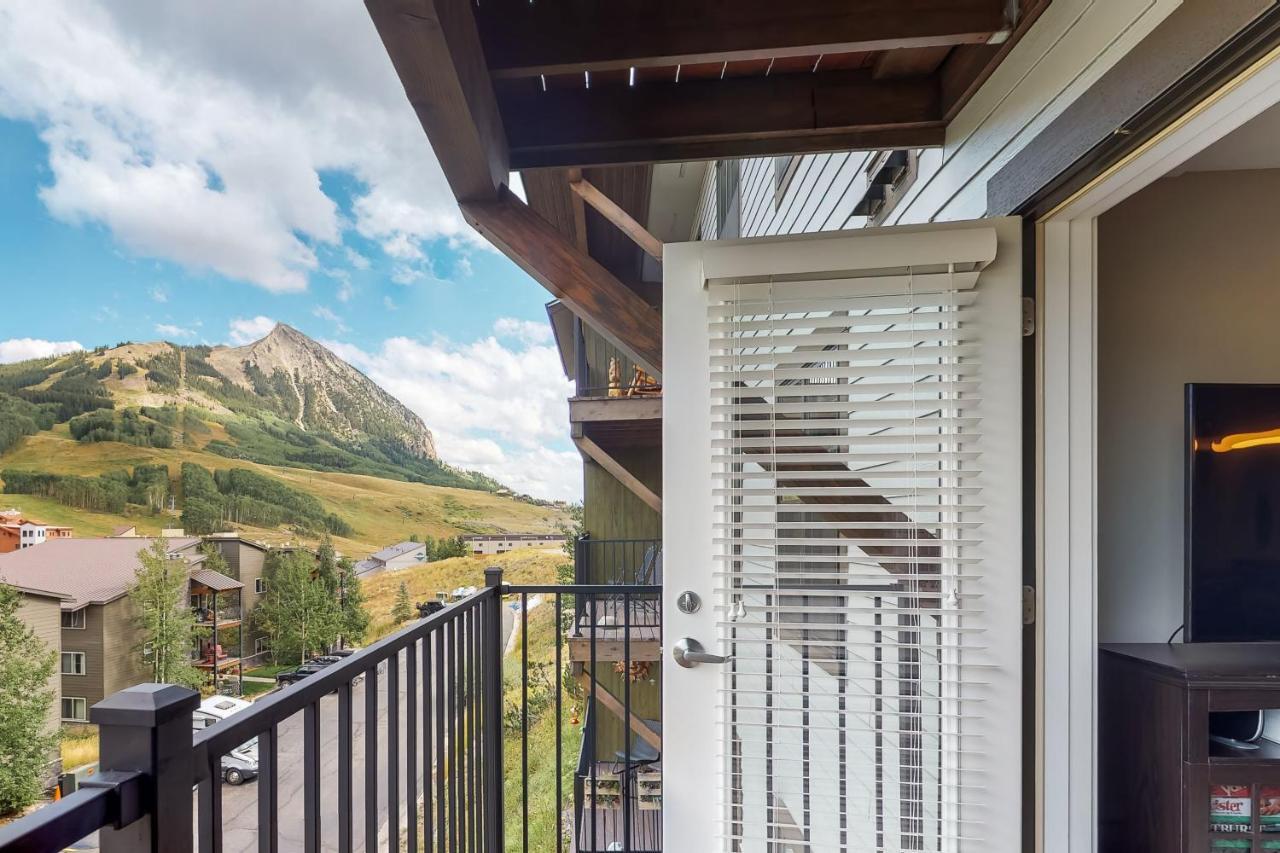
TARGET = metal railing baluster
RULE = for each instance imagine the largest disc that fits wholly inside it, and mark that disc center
(559, 688)
(311, 778)
(411, 745)
(268, 791)
(524, 721)
(428, 754)
(371, 759)
(442, 760)
(393, 752)
(210, 796)
(345, 748)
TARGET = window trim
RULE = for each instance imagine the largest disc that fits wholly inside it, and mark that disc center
(84, 663)
(261, 645)
(260, 586)
(82, 612)
(73, 699)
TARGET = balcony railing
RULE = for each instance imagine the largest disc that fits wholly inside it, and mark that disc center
(400, 746)
(225, 614)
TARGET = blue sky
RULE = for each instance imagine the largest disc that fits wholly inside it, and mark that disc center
(162, 177)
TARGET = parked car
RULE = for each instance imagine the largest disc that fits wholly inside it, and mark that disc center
(240, 764)
(295, 675)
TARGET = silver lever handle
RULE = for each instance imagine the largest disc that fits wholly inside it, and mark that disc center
(688, 652)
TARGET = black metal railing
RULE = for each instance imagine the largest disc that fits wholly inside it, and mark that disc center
(618, 561)
(610, 689)
(412, 743)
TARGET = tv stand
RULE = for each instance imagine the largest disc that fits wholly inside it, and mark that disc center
(1164, 782)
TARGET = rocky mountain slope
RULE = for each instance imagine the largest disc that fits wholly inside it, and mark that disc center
(283, 400)
(321, 391)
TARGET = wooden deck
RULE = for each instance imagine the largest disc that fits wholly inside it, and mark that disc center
(608, 630)
(646, 831)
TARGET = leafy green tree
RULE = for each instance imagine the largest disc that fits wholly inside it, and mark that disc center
(403, 609)
(26, 665)
(298, 613)
(213, 559)
(166, 623)
(355, 618)
(327, 565)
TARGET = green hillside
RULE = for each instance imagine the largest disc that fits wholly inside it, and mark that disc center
(143, 434)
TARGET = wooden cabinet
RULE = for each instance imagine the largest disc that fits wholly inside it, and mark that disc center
(1158, 769)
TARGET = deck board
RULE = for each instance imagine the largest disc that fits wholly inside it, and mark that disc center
(609, 632)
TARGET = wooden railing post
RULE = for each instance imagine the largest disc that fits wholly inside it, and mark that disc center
(147, 728)
(492, 726)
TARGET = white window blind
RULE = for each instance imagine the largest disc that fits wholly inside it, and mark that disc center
(849, 506)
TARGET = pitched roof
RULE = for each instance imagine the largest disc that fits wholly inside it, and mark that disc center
(89, 571)
(395, 551)
(216, 581)
(122, 529)
(366, 566)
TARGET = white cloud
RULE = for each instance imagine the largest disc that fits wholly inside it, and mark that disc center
(356, 259)
(159, 294)
(244, 330)
(326, 314)
(523, 330)
(389, 304)
(468, 393)
(21, 349)
(201, 139)
(171, 331)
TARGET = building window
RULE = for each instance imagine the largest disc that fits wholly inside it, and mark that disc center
(261, 645)
(73, 663)
(75, 709)
(73, 618)
(260, 586)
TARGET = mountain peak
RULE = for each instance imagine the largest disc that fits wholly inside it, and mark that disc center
(320, 392)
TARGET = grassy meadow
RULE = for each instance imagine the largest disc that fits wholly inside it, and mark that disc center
(382, 512)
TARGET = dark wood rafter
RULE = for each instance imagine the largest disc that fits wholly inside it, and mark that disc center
(617, 470)
(702, 119)
(969, 66)
(611, 211)
(436, 51)
(573, 276)
(617, 708)
(531, 39)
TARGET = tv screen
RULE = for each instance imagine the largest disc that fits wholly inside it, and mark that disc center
(1233, 513)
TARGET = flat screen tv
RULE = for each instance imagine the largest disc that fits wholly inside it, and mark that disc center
(1232, 547)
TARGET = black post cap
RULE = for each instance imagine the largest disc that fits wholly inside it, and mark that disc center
(146, 705)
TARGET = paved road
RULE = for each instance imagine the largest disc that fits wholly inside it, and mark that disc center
(240, 803)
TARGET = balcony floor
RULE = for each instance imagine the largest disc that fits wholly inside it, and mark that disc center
(609, 631)
(646, 831)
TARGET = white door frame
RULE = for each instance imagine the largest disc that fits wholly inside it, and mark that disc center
(1067, 453)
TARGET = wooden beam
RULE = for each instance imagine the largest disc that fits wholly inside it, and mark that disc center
(607, 699)
(641, 407)
(572, 276)
(707, 119)
(436, 51)
(601, 457)
(969, 66)
(527, 39)
(579, 211)
(604, 205)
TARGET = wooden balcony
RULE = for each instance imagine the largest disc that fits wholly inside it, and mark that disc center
(606, 624)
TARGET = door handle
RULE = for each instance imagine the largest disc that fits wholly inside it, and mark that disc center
(688, 652)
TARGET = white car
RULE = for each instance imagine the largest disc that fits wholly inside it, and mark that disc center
(240, 764)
